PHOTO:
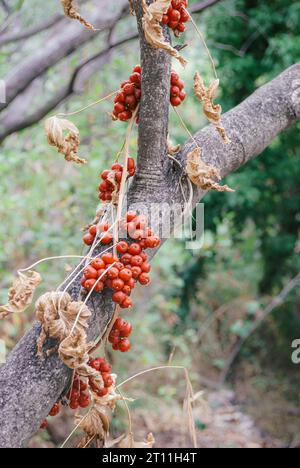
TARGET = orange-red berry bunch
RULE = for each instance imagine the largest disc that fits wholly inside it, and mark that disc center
(104, 369)
(105, 236)
(129, 96)
(177, 93)
(119, 335)
(121, 273)
(111, 179)
(177, 16)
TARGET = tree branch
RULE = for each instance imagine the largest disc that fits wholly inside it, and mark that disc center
(10, 37)
(67, 41)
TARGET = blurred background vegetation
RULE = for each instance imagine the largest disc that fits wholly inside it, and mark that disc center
(200, 304)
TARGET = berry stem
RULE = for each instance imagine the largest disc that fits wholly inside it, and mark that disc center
(105, 98)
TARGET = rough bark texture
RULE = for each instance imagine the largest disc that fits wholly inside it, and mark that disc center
(29, 386)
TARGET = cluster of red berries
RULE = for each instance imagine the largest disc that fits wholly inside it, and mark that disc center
(121, 273)
(111, 179)
(177, 93)
(119, 335)
(104, 369)
(176, 16)
(105, 238)
(78, 396)
(129, 96)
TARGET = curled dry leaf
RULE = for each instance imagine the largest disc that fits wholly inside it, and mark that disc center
(129, 442)
(153, 30)
(202, 175)
(68, 144)
(212, 111)
(21, 293)
(171, 148)
(71, 12)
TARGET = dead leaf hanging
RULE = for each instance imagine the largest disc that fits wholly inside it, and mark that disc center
(68, 144)
(202, 175)
(212, 111)
(71, 12)
(153, 30)
(21, 293)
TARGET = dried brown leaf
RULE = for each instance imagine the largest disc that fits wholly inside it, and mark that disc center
(131, 7)
(202, 175)
(207, 96)
(68, 144)
(21, 293)
(153, 30)
(172, 149)
(72, 13)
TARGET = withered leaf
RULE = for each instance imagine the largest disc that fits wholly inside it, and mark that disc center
(21, 293)
(153, 30)
(202, 175)
(68, 144)
(207, 96)
(71, 12)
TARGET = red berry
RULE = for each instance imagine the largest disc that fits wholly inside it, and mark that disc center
(127, 303)
(181, 27)
(117, 284)
(126, 115)
(127, 290)
(102, 392)
(144, 279)
(184, 16)
(88, 239)
(176, 4)
(98, 264)
(120, 97)
(106, 238)
(126, 259)
(117, 167)
(55, 409)
(74, 404)
(135, 249)
(131, 283)
(44, 424)
(174, 15)
(103, 226)
(182, 95)
(130, 216)
(146, 268)
(136, 261)
(84, 400)
(119, 297)
(113, 273)
(125, 274)
(173, 24)
(90, 273)
(122, 247)
(108, 258)
(144, 255)
(118, 108)
(126, 329)
(138, 94)
(99, 286)
(138, 234)
(128, 89)
(93, 230)
(180, 85)
(165, 19)
(105, 367)
(107, 379)
(105, 174)
(174, 79)
(175, 101)
(124, 345)
(175, 91)
(89, 284)
(136, 271)
(137, 69)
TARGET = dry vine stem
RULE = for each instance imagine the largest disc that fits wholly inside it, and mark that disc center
(66, 144)
(206, 96)
(202, 175)
(71, 12)
(153, 30)
(21, 293)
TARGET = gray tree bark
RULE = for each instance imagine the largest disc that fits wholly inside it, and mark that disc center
(29, 386)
